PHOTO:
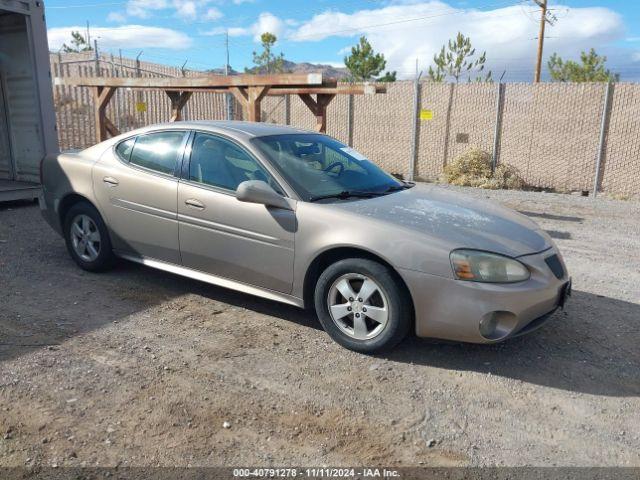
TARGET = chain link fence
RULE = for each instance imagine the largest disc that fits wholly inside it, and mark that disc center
(554, 134)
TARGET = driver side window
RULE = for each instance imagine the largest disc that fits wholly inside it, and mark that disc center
(220, 163)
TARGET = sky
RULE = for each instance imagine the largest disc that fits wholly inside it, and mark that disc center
(323, 31)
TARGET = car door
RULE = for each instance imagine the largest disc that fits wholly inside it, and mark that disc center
(246, 242)
(136, 185)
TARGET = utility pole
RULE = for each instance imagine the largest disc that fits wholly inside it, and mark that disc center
(228, 98)
(88, 34)
(226, 45)
(543, 21)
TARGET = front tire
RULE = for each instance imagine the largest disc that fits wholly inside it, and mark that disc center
(362, 305)
(87, 238)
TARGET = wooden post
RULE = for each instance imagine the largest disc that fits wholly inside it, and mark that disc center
(318, 107)
(255, 96)
(178, 101)
(102, 95)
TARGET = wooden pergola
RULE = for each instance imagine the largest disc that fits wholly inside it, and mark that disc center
(249, 90)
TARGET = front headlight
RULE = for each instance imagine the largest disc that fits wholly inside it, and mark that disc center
(478, 266)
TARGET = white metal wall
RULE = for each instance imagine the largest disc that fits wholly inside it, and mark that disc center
(5, 148)
(21, 98)
(28, 104)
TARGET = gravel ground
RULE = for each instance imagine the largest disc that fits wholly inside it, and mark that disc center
(141, 367)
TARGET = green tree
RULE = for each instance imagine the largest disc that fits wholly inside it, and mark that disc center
(78, 44)
(388, 76)
(592, 69)
(364, 64)
(456, 59)
(267, 61)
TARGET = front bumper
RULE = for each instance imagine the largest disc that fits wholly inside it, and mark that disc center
(454, 309)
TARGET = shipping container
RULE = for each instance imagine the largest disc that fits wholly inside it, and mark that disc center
(27, 116)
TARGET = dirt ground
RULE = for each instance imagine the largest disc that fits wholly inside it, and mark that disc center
(140, 367)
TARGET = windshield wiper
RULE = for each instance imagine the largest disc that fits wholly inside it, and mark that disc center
(404, 186)
(344, 195)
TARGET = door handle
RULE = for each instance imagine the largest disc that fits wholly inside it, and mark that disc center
(111, 181)
(193, 203)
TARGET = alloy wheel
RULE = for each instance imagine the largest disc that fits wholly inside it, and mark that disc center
(85, 238)
(358, 306)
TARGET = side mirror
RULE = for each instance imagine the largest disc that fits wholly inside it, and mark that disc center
(257, 191)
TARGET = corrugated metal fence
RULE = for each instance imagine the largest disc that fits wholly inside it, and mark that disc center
(551, 132)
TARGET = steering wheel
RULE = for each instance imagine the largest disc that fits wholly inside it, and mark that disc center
(332, 166)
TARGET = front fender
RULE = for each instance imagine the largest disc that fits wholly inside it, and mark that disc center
(322, 228)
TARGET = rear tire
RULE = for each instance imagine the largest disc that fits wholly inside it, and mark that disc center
(362, 305)
(87, 238)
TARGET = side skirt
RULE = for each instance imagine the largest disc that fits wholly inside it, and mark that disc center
(215, 280)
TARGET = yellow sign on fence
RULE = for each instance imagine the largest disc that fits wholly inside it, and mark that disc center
(426, 114)
(141, 106)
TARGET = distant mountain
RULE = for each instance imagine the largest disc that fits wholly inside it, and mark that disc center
(327, 71)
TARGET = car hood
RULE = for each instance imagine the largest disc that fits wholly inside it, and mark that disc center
(458, 220)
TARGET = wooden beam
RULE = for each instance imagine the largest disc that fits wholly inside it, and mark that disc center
(339, 90)
(111, 128)
(208, 82)
(254, 100)
(240, 95)
(102, 96)
(178, 101)
(319, 108)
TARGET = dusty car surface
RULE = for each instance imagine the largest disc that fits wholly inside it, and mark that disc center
(298, 217)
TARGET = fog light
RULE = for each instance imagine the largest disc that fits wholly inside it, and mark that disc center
(497, 325)
(488, 325)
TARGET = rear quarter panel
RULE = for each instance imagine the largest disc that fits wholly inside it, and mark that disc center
(64, 175)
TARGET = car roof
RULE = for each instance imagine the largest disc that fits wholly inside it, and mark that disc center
(235, 128)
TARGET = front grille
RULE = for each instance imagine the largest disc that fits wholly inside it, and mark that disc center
(555, 265)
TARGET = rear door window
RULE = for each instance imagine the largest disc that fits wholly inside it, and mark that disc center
(124, 148)
(157, 151)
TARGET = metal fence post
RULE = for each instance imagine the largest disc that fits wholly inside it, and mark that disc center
(604, 126)
(350, 120)
(287, 109)
(498, 127)
(97, 58)
(414, 134)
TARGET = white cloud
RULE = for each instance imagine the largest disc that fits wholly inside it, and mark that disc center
(406, 31)
(635, 57)
(266, 22)
(186, 10)
(237, 31)
(116, 17)
(213, 14)
(144, 8)
(125, 36)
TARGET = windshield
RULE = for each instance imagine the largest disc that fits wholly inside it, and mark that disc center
(317, 166)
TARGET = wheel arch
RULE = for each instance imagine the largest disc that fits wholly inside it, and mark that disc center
(69, 201)
(332, 255)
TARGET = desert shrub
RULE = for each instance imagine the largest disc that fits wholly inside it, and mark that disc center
(473, 169)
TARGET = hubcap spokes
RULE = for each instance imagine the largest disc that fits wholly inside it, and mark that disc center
(358, 306)
(85, 238)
